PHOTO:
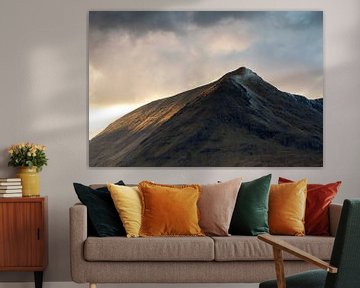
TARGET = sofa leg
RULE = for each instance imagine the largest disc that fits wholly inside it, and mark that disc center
(92, 285)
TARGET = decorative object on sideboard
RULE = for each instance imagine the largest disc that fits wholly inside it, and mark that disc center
(30, 158)
(10, 187)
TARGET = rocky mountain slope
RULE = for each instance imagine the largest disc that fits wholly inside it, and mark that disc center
(238, 120)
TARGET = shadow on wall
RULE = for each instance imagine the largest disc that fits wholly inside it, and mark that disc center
(4, 159)
(47, 82)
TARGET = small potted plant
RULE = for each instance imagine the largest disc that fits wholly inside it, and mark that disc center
(30, 158)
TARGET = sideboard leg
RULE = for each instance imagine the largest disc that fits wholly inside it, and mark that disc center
(38, 279)
(92, 285)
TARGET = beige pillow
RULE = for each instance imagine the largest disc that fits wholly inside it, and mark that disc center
(216, 205)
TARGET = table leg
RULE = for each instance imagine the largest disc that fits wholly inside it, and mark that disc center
(38, 279)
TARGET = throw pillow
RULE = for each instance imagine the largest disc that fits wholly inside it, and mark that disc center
(169, 210)
(216, 206)
(287, 204)
(127, 201)
(102, 215)
(250, 215)
(319, 197)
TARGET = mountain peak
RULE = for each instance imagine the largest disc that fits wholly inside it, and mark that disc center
(243, 72)
(241, 76)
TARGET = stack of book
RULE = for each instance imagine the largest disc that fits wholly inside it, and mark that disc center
(10, 187)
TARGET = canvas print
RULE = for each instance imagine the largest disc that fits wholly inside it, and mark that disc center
(205, 89)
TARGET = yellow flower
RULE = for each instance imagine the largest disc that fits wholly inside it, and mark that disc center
(11, 151)
(41, 147)
(28, 154)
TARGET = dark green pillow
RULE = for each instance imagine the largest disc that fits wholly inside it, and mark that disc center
(250, 216)
(102, 215)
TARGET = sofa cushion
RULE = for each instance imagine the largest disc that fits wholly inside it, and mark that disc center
(250, 216)
(127, 201)
(102, 216)
(287, 204)
(243, 248)
(169, 210)
(149, 249)
(216, 206)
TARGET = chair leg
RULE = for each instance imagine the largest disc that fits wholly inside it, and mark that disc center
(279, 267)
(92, 285)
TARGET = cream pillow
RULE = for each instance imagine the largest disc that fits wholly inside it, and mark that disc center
(216, 206)
(127, 201)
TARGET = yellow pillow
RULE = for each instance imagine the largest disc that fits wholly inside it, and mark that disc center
(127, 201)
(287, 204)
(169, 210)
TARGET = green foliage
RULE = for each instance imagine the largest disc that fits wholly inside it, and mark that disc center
(27, 155)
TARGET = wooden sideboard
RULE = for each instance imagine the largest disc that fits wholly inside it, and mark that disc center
(23, 235)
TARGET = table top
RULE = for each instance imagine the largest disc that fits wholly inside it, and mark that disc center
(23, 199)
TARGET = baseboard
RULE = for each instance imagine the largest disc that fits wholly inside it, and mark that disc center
(74, 285)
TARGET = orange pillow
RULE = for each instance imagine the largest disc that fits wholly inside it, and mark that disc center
(169, 210)
(287, 204)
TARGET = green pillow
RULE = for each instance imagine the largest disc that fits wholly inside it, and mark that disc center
(250, 216)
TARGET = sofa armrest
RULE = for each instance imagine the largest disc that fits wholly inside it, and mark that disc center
(334, 217)
(78, 235)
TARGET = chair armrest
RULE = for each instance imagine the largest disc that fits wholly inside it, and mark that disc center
(284, 246)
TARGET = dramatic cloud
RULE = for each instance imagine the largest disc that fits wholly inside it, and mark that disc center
(137, 57)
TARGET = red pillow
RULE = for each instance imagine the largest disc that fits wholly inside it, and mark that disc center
(319, 197)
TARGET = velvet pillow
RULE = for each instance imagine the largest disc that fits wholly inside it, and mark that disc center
(169, 210)
(127, 201)
(102, 214)
(216, 206)
(319, 197)
(250, 215)
(287, 204)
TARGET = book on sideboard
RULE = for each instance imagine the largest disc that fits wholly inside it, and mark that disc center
(9, 184)
(6, 180)
(10, 195)
(10, 191)
(10, 187)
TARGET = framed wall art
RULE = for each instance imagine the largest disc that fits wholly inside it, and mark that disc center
(205, 88)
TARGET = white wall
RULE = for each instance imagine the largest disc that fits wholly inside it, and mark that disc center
(43, 90)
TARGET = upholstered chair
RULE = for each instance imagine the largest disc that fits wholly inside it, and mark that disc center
(343, 271)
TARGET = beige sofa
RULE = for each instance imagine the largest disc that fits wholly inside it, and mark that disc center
(234, 259)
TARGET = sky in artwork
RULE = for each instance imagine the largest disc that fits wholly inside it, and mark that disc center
(138, 57)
